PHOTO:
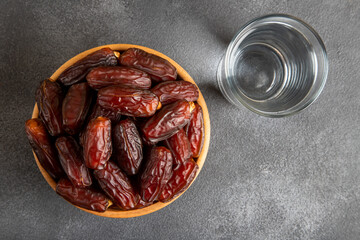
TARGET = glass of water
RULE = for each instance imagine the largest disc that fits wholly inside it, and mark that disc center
(276, 65)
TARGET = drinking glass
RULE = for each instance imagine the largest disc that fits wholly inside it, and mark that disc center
(276, 65)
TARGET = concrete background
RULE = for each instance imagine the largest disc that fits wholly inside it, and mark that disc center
(290, 178)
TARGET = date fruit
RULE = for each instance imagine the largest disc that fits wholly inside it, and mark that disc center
(72, 161)
(118, 75)
(128, 101)
(170, 119)
(83, 197)
(142, 204)
(77, 72)
(156, 174)
(195, 131)
(158, 68)
(127, 146)
(181, 178)
(49, 98)
(97, 143)
(40, 142)
(171, 91)
(180, 147)
(117, 186)
(75, 107)
(98, 111)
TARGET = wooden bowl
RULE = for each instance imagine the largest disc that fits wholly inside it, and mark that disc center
(113, 212)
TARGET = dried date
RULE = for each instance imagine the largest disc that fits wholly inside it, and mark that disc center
(171, 91)
(83, 197)
(77, 72)
(170, 119)
(117, 186)
(49, 98)
(98, 111)
(75, 107)
(118, 75)
(97, 143)
(181, 178)
(127, 146)
(195, 131)
(180, 147)
(72, 161)
(128, 101)
(142, 204)
(156, 174)
(40, 142)
(158, 68)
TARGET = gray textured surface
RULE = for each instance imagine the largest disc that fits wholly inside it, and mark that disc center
(291, 178)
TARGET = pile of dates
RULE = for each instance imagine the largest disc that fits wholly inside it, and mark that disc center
(118, 129)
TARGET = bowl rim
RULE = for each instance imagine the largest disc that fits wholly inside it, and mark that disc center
(114, 213)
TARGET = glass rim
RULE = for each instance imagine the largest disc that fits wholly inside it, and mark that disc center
(305, 102)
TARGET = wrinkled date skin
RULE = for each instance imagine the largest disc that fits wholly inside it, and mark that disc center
(98, 111)
(40, 142)
(71, 160)
(181, 178)
(127, 146)
(75, 107)
(158, 68)
(195, 131)
(170, 119)
(140, 123)
(156, 174)
(77, 72)
(171, 91)
(128, 101)
(83, 197)
(117, 186)
(180, 147)
(97, 143)
(49, 98)
(142, 204)
(118, 75)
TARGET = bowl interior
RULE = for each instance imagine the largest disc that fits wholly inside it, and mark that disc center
(113, 212)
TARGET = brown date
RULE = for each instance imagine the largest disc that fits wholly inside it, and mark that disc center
(146, 142)
(128, 101)
(83, 197)
(118, 75)
(75, 107)
(127, 146)
(97, 143)
(142, 204)
(181, 178)
(195, 131)
(135, 182)
(140, 123)
(72, 161)
(158, 68)
(77, 72)
(49, 98)
(180, 147)
(98, 111)
(171, 91)
(165, 123)
(117, 186)
(40, 142)
(156, 174)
